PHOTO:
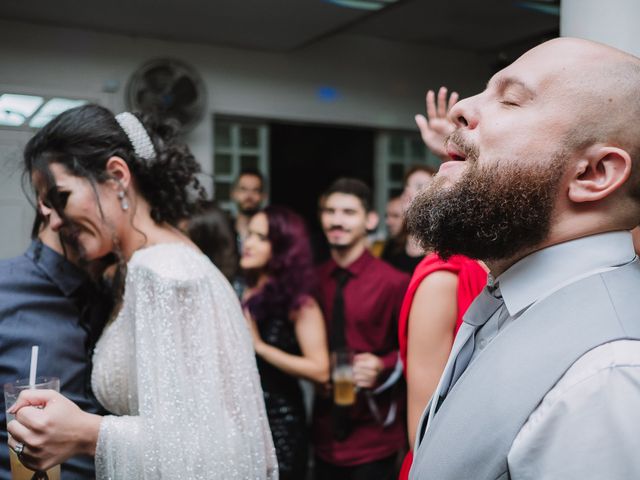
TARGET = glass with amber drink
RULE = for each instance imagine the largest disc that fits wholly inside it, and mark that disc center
(344, 390)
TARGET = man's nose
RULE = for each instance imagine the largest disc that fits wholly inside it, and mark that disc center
(336, 219)
(464, 113)
(55, 222)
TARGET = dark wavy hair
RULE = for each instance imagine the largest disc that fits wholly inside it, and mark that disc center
(211, 231)
(352, 186)
(292, 279)
(82, 139)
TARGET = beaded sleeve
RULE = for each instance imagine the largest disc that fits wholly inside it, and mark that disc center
(193, 397)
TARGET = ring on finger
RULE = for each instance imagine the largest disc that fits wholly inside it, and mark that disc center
(19, 448)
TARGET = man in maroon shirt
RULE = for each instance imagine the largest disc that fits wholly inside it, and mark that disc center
(369, 294)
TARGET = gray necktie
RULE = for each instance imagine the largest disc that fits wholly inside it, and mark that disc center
(480, 311)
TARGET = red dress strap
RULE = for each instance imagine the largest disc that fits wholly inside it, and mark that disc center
(431, 263)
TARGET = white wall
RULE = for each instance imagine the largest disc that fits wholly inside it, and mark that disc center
(381, 83)
(614, 22)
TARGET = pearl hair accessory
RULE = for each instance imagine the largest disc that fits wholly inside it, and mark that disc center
(137, 134)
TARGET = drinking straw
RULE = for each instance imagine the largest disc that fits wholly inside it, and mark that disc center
(34, 366)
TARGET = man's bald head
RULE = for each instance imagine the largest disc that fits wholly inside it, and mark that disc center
(610, 109)
(601, 86)
(547, 153)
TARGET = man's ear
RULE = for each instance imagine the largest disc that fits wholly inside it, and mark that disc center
(372, 221)
(118, 170)
(599, 172)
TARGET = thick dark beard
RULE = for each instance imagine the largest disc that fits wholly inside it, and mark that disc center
(489, 214)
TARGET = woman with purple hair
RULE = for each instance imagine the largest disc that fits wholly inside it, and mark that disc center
(287, 325)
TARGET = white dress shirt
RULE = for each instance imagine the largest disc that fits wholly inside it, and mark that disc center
(588, 424)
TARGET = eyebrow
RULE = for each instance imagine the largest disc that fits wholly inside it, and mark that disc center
(503, 83)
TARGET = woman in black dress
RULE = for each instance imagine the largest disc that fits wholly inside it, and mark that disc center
(287, 326)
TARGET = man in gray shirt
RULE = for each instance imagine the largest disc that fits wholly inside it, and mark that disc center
(543, 381)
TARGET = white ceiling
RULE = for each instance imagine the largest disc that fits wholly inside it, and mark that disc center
(488, 26)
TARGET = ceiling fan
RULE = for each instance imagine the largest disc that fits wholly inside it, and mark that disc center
(169, 88)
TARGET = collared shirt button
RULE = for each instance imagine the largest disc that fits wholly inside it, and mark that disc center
(482, 343)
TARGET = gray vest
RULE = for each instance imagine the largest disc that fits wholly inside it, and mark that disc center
(471, 434)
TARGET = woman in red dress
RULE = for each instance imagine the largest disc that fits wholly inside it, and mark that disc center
(438, 296)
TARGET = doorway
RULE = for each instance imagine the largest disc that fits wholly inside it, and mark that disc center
(305, 159)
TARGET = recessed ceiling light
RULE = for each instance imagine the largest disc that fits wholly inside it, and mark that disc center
(16, 109)
(32, 111)
(53, 108)
(362, 4)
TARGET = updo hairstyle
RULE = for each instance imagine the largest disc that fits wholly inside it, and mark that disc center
(83, 139)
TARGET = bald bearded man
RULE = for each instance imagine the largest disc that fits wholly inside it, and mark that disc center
(543, 184)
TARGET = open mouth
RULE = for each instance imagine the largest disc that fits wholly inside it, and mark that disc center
(455, 154)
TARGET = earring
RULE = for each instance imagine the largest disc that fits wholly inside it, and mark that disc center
(124, 203)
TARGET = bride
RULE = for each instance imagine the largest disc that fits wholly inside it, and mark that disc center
(175, 365)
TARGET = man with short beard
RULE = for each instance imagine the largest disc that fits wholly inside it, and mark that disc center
(361, 298)
(542, 184)
(248, 195)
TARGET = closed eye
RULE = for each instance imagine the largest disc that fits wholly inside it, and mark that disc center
(56, 199)
(509, 104)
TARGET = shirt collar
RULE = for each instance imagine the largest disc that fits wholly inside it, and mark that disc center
(67, 277)
(356, 267)
(545, 271)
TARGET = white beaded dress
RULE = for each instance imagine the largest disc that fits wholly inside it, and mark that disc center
(177, 369)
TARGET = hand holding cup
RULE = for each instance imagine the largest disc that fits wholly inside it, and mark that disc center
(52, 428)
(366, 368)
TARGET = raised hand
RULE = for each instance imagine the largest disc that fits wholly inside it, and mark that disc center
(435, 127)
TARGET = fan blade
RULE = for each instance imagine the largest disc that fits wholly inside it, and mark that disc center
(184, 92)
(159, 79)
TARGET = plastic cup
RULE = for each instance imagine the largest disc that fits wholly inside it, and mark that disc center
(11, 392)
